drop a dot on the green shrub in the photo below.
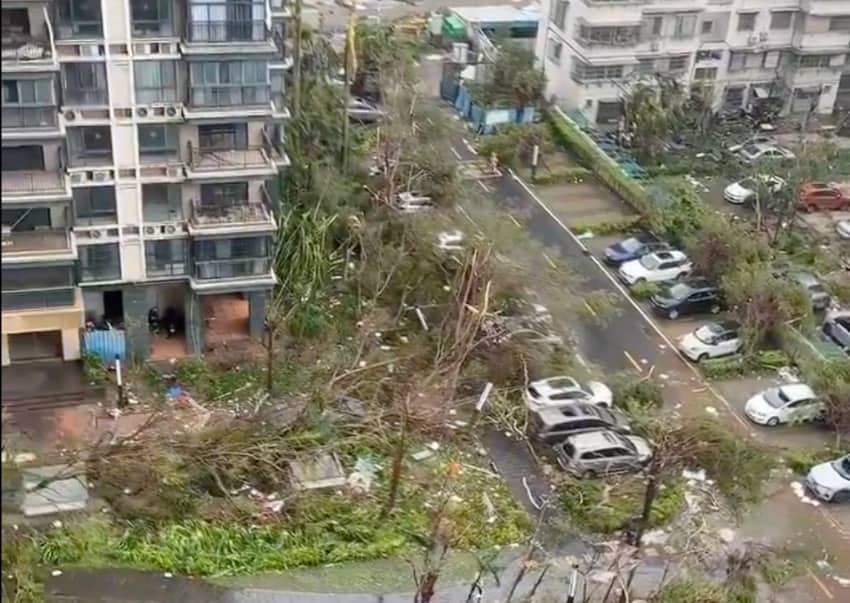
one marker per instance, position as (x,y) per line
(624,225)
(639,394)
(691,590)
(800,461)
(644,290)
(569,175)
(737,366)
(95,371)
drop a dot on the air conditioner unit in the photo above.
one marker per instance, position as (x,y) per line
(70,115)
(655,45)
(169,229)
(172,110)
(763,36)
(78,177)
(150,230)
(95,234)
(752,40)
(142,111)
(174,172)
(101,176)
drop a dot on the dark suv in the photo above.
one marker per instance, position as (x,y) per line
(690,296)
(553,425)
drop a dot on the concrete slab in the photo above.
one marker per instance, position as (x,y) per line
(583,203)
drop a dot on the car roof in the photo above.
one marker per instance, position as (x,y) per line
(728,325)
(573,411)
(591,440)
(555,384)
(797,391)
(806,278)
(669,254)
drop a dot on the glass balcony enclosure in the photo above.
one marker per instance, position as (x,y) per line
(231,258)
(95,205)
(79,19)
(167,258)
(100,262)
(90,146)
(29,103)
(156,81)
(228,83)
(38,287)
(231,21)
(152,18)
(84,84)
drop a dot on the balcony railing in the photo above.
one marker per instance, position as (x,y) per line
(232,268)
(29,117)
(227,158)
(151,28)
(19,47)
(227,31)
(105,272)
(75,96)
(229,96)
(78,29)
(32,299)
(156,95)
(32,182)
(36,241)
(229,214)
(167,267)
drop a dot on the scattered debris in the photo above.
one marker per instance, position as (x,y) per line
(694,476)
(727,535)
(273,506)
(319,473)
(800,490)
(585,235)
(56,572)
(422,455)
(655,537)
(489,507)
(712,411)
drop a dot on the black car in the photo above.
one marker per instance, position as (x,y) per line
(552,425)
(690,296)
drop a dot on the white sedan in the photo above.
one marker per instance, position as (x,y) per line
(556,392)
(790,403)
(831,481)
(758,151)
(745,190)
(656,267)
(843,229)
(711,340)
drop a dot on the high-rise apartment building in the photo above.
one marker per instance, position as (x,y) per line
(795,51)
(142,145)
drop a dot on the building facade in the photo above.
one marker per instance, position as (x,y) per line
(142,143)
(796,51)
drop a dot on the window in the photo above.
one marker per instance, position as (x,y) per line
(223,136)
(586,72)
(228,83)
(100,262)
(772,59)
(707,27)
(734,97)
(90,141)
(84,83)
(156,81)
(815,61)
(161,202)
(223,249)
(839,24)
(16,22)
(224,21)
(747,21)
(79,18)
(781,19)
(27,92)
(657,24)
(558,15)
(166,258)
(646,66)
(226,193)
(159,139)
(95,205)
(151,17)
(705,73)
(608,36)
(555,50)
(737,60)
(678,63)
(685,26)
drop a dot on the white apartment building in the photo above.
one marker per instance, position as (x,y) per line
(795,50)
(142,144)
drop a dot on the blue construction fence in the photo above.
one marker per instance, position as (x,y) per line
(485,120)
(106,344)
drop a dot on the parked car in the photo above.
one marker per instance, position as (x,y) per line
(744,191)
(656,267)
(814,289)
(816,196)
(690,296)
(553,425)
(555,392)
(760,139)
(602,452)
(413,202)
(362,111)
(633,248)
(790,403)
(758,151)
(831,481)
(843,229)
(837,326)
(712,340)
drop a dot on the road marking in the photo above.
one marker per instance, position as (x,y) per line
(515,221)
(469,147)
(456,154)
(634,304)
(484,186)
(820,583)
(549,260)
(590,309)
(581,360)
(634,362)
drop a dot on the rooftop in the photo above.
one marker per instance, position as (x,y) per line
(499,14)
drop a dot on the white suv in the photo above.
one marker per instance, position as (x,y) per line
(656,268)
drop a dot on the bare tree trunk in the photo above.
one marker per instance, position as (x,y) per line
(648,500)
(271,330)
(398,465)
(296,80)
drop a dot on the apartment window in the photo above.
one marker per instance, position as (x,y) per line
(95,205)
(558,16)
(27,92)
(229,83)
(222,136)
(40,287)
(747,21)
(705,73)
(151,18)
(16,22)
(734,97)
(781,19)
(555,50)
(84,83)
(815,61)
(100,262)
(707,27)
(585,72)
(709,55)
(678,64)
(685,26)
(224,249)
(224,194)
(25,158)
(166,258)
(79,18)
(646,66)
(839,24)
(608,36)
(772,59)
(161,202)
(737,60)
(90,142)
(157,140)
(235,20)
(156,81)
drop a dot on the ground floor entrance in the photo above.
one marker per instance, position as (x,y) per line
(40,345)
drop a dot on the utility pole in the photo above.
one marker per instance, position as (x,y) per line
(296,80)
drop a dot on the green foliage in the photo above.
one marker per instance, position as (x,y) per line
(95,371)
(622,226)
(737,366)
(721,244)
(607,507)
(638,394)
(567,175)
(691,590)
(800,460)
(512,80)
(514,143)
(645,290)
(677,213)
(652,114)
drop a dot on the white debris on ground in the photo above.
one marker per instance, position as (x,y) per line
(800,490)
(712,411)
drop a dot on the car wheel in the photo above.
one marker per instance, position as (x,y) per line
(841,497)
(715,309)
(673,314)
(773,422)
(702,357)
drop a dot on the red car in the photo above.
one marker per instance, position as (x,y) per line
(823,196)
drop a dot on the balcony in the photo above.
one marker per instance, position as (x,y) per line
(26,52)
(252,100)
(20,123)
(38,299)
(228,37)
(220,275)
(223,162)
(76,97)
(236,217)
(36,245)
(41,185)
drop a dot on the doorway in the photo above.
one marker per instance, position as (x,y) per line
(113,307)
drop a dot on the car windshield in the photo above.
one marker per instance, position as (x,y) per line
(628,444)
(707,334)
(751,149)
(679,291)
(748,183)
(776,397)
(631,244)
(842,467)
(650,262)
